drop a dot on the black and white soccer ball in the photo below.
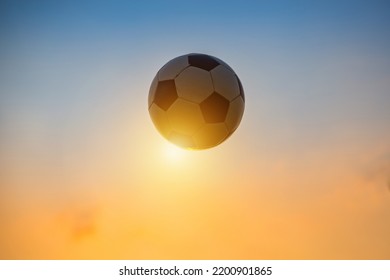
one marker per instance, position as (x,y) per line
(196,101)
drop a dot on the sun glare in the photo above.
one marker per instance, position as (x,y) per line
(174,153)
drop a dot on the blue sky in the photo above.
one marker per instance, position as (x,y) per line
(254,36)
(159,19)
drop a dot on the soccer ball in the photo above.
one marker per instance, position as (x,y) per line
(196,101)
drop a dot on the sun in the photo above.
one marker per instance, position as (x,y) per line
(174,153)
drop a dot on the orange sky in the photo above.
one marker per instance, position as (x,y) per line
(150,200)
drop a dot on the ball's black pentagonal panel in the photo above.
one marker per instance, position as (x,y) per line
(202,61)
(214,108)
(165,94)
(241,88)
(182,140)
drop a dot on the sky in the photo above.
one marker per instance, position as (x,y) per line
(85,175)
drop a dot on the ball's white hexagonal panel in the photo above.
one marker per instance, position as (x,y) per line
(210,135)
(160,120)
(225,82)
(182,140)
(185,117)
(194,84)
(170,70)
(223,63)
(152,90)
(234,114)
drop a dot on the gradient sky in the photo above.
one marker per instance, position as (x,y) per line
(84,173)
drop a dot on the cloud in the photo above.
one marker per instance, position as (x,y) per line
(377,171)
(388,183)
(79,223)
